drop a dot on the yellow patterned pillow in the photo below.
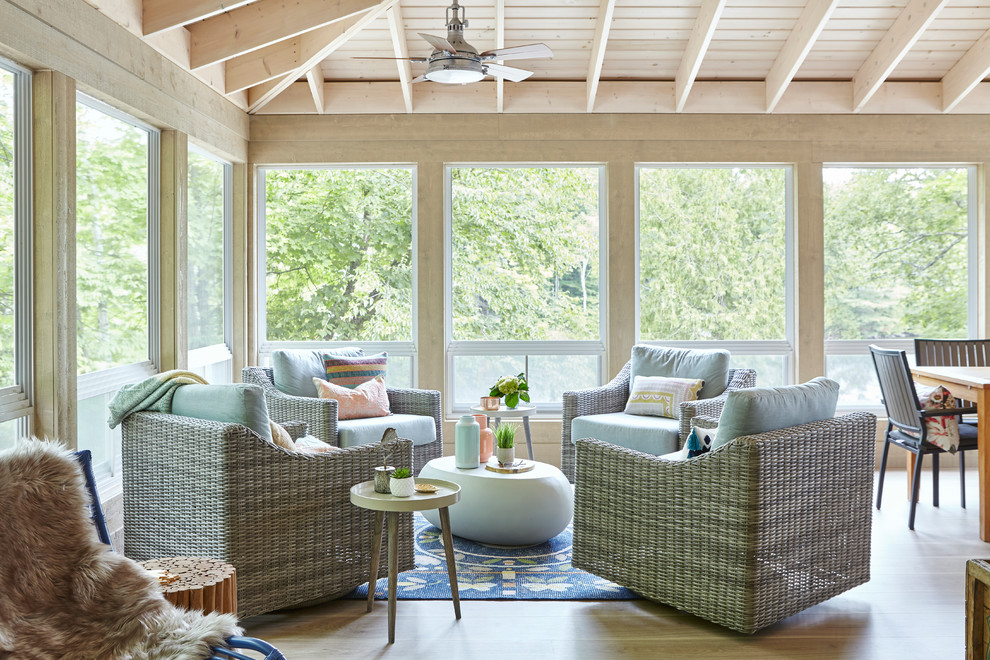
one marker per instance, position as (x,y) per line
(661,396)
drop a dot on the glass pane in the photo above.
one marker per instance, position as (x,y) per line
(771,370)
(552,375)
(857,378)
(399,372)
(9,432)
(474,375)
(111,241)
(339,254)
(895,253)
(94,434)
(712,253)
(7,241)
(524,254)
(205,251)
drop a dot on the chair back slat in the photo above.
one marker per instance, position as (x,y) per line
(952,352)
(897,388)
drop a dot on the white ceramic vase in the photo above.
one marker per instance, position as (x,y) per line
(505,455)
(402,487)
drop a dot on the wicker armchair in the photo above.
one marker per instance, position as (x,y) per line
(745,535)
(284,520)
(321,414)
(611,398)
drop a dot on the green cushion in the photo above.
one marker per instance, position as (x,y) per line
(293,370)
(239,403)
(753,410)
(651,435)
(711,366)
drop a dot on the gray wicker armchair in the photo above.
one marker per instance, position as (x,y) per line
(321,414)
(284,520)
(611,398)
(745,535)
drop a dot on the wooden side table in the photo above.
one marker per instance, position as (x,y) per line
(518,411)
(196,583)
(364,496)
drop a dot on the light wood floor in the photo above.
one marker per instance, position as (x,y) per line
(913,607)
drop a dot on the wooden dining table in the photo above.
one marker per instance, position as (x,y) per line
(969,384)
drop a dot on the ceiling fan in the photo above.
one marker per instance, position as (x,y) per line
(455,61)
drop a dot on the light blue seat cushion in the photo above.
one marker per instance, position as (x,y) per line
(650,435)
(711,366)
(421,429)
(293,370)
(755,410)
(238,403)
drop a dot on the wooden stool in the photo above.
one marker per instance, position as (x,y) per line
(196,583)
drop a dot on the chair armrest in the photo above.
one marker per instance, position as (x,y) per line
(319,414)
(609,398)
(947,412)
(738,379)
(406,401)
(704,422)
(296,429)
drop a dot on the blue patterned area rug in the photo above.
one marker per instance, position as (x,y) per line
(494,572)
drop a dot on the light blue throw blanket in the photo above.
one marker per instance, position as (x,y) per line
(154,393)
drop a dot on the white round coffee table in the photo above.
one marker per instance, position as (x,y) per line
(503,413)
(505,509)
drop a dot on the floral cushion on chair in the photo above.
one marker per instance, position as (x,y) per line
(943,430)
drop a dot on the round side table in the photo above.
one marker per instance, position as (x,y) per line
(364,496)
(196,583)
(503,412)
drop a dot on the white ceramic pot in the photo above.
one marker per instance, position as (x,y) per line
(505,455)
(402,487)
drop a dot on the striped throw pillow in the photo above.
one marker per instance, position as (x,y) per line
(661,396)
(352,371)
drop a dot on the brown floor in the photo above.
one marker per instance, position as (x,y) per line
(913,607)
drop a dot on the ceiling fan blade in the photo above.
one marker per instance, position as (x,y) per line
(439,43)
(419,79)
(507,72)
(411,59)
(518,52)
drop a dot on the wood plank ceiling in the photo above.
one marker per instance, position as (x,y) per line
(643,56)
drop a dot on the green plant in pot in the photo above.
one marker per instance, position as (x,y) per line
(505,441)
(402,483)
(513,388)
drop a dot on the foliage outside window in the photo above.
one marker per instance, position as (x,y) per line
(8,241)
(111,241)
(205,242)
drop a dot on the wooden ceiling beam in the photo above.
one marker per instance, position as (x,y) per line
(697,45)
(161,15)
(263,23)
(809,25)
(260,95)
(967,73)
(913,20)
(314,78)
(499,43)
(397,30)
(270,62)
(602,27)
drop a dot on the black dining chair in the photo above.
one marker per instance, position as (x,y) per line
(906,425)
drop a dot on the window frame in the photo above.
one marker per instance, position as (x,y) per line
(403,349)
(769,347)
(466,348)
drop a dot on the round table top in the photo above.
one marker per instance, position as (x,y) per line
(445,465)
(518,411)
(364,496)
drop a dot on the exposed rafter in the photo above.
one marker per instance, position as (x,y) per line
(704,27)
(160,15)
(602,27)
(314,78)
(967,73)
(262,94)
(809,25)
(913,20)
(263,23)
(499,43)
(397,30)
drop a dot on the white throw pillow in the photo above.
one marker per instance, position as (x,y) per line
(661,396)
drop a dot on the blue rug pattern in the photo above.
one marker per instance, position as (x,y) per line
(493,572)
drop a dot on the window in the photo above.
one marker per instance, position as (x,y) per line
(116,221)
(524,283)
(714,262)
(208,261)
(898,264)
(15,252)
(338,261)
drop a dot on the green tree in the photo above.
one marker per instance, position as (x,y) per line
(7,221)
(204,253)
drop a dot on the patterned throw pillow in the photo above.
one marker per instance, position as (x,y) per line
(352,371)
(700,441)
(369,399)
(943,431)
(660,396)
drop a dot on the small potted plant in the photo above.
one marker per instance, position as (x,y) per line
(383,472)
(505,438)
(402,483)
(513,388)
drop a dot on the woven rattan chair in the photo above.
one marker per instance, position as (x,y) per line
(283,519)
(321,414)
(906,426)
(752,532)
(612,398)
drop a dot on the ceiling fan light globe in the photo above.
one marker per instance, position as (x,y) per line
(454,76)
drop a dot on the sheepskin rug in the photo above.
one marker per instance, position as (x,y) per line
(63,594)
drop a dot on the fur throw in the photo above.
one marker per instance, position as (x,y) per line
(63,594)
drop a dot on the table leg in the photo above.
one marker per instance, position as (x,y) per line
(448,549)
(529,438)
(376,553)
(983,418)
(393,570)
